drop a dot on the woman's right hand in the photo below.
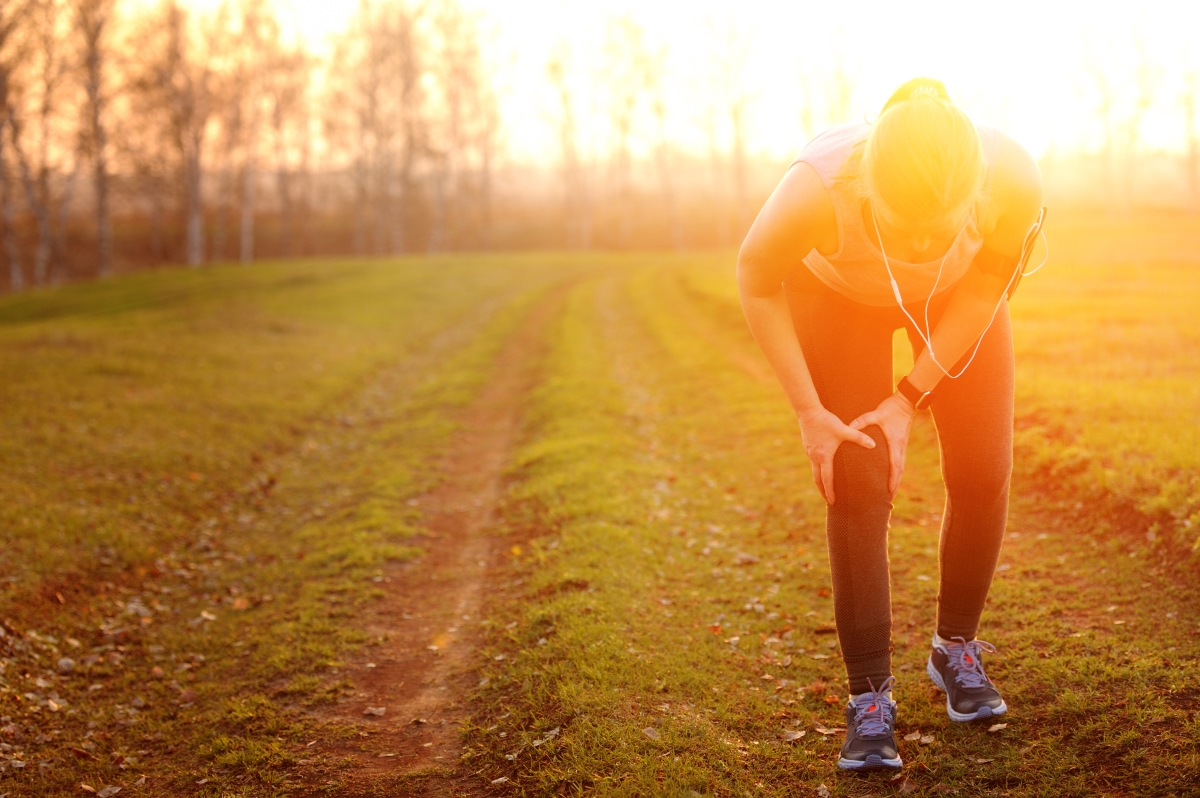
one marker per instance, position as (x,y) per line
(823,433)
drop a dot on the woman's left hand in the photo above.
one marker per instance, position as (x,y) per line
(894,416)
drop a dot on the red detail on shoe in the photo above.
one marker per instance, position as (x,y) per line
(872,708)
(967,657)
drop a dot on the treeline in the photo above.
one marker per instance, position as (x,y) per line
(135,137)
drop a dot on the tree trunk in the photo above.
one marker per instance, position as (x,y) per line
(93,30)
(41,213)
(59,241)
(737,120)
(247,226)
(155,190)
(195,219)
(16,275)
(437,222)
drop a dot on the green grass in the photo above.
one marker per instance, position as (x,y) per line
(676,582)
(208,485)
(240,445)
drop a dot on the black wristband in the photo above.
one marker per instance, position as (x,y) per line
(909,391)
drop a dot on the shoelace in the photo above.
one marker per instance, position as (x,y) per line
(965,659)
(874,710)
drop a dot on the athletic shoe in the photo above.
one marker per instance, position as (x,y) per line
(957,668)
(871,731)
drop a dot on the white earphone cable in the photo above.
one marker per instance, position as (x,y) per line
(927,335)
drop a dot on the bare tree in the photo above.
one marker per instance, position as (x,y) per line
(464,125)
(626,70)
(10,52)
(731,51)
(375,112)
(291,76)
(576,209)
(41,138)
(662,150)
(93,18)
(175,78)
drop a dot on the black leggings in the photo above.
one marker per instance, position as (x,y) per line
(848,349)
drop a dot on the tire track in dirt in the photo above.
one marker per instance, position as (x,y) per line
(430,616)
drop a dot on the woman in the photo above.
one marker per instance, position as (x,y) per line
(917,221)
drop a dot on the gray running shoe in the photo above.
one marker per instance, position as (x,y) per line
(957,668)
(871,731)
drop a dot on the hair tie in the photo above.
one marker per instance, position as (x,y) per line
(915,88)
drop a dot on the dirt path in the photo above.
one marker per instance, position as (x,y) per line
(434,605)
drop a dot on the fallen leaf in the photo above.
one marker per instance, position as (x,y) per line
(793,736)
(746,559)
(823,791)
(376,711)
(87,788)
(819,656)
(927,739)
(906,786)
(715,628)
(651,732)
(82,754)
(983,761)
(766,677)
(208,616)
(913,736)
(827,732)
(833,700)
(241,603)
(995,727)
(157,672)
(202,781)
(419,721)
(188,696)
(140,782)
(108,792)
(501,780)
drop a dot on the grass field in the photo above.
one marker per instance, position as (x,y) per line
(205,475)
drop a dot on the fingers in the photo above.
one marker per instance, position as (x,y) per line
(897,468)
(858,425)
(816,470)
(827,481)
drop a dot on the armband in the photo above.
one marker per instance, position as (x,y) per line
(995,264)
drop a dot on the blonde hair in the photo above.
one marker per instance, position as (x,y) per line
(923,160)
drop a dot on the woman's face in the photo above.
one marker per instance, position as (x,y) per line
(922,240)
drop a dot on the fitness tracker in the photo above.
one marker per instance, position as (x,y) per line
(909,391)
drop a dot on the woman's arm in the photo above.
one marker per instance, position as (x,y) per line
(1016,199)
(788,227)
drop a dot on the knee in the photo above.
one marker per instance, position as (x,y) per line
(984,480)
(861,475)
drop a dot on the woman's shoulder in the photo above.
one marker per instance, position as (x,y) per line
(1017,176)
(1015,194)
(828,150)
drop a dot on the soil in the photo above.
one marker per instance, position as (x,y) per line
(432,610)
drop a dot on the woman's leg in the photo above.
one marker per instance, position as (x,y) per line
(974,418)
(848,349)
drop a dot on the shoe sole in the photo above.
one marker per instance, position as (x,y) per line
(872,762)
(961,717)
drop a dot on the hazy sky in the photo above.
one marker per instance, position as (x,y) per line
(1030,67)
